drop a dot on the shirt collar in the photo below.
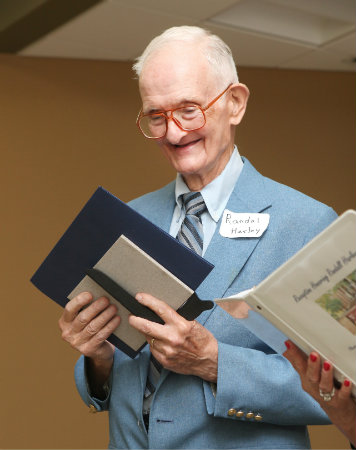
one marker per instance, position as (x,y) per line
(215,194)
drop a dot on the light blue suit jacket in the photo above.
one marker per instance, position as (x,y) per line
(251,377)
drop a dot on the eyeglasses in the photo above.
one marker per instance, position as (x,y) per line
(187,118)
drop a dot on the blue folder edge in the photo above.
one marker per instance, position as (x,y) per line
(103,219)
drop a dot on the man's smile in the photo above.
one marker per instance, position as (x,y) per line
(186,145)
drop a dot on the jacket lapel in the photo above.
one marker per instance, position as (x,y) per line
(230,255)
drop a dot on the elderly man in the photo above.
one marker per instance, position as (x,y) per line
(210,383)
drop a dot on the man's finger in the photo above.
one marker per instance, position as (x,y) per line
(96,325)
(88,314)
(107,330)
(73,307)
(164,311)
(146,327)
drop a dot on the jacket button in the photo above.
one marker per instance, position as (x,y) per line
(92,409)
(240,413)
(250,415)
(231,412)
(258,416)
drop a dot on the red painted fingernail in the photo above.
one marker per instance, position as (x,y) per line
(287,344)
(312,357)
(346,383)
(327,366)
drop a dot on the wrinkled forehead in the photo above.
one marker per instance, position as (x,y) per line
(174,73)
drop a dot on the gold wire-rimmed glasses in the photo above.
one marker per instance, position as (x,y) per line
(187,118)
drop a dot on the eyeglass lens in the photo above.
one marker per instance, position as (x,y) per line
(188,118)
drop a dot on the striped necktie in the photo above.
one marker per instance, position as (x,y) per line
(191,235)
(191,231)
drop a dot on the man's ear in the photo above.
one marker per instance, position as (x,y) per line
(239,96)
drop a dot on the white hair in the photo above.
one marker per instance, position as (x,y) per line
(216,51)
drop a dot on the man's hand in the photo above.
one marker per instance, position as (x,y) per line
(180,345)
(87,329)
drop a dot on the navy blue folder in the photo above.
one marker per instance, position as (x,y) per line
(103,219)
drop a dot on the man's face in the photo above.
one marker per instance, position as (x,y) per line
(178,75)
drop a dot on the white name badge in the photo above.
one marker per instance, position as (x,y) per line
(243,225)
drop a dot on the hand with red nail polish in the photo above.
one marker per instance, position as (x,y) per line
(313,357)
(318,380)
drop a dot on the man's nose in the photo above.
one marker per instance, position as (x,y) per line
(174,133)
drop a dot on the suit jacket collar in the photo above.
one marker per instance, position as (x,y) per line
(166,204)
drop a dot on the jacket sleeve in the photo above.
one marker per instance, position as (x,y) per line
(256,386)
(81,380)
